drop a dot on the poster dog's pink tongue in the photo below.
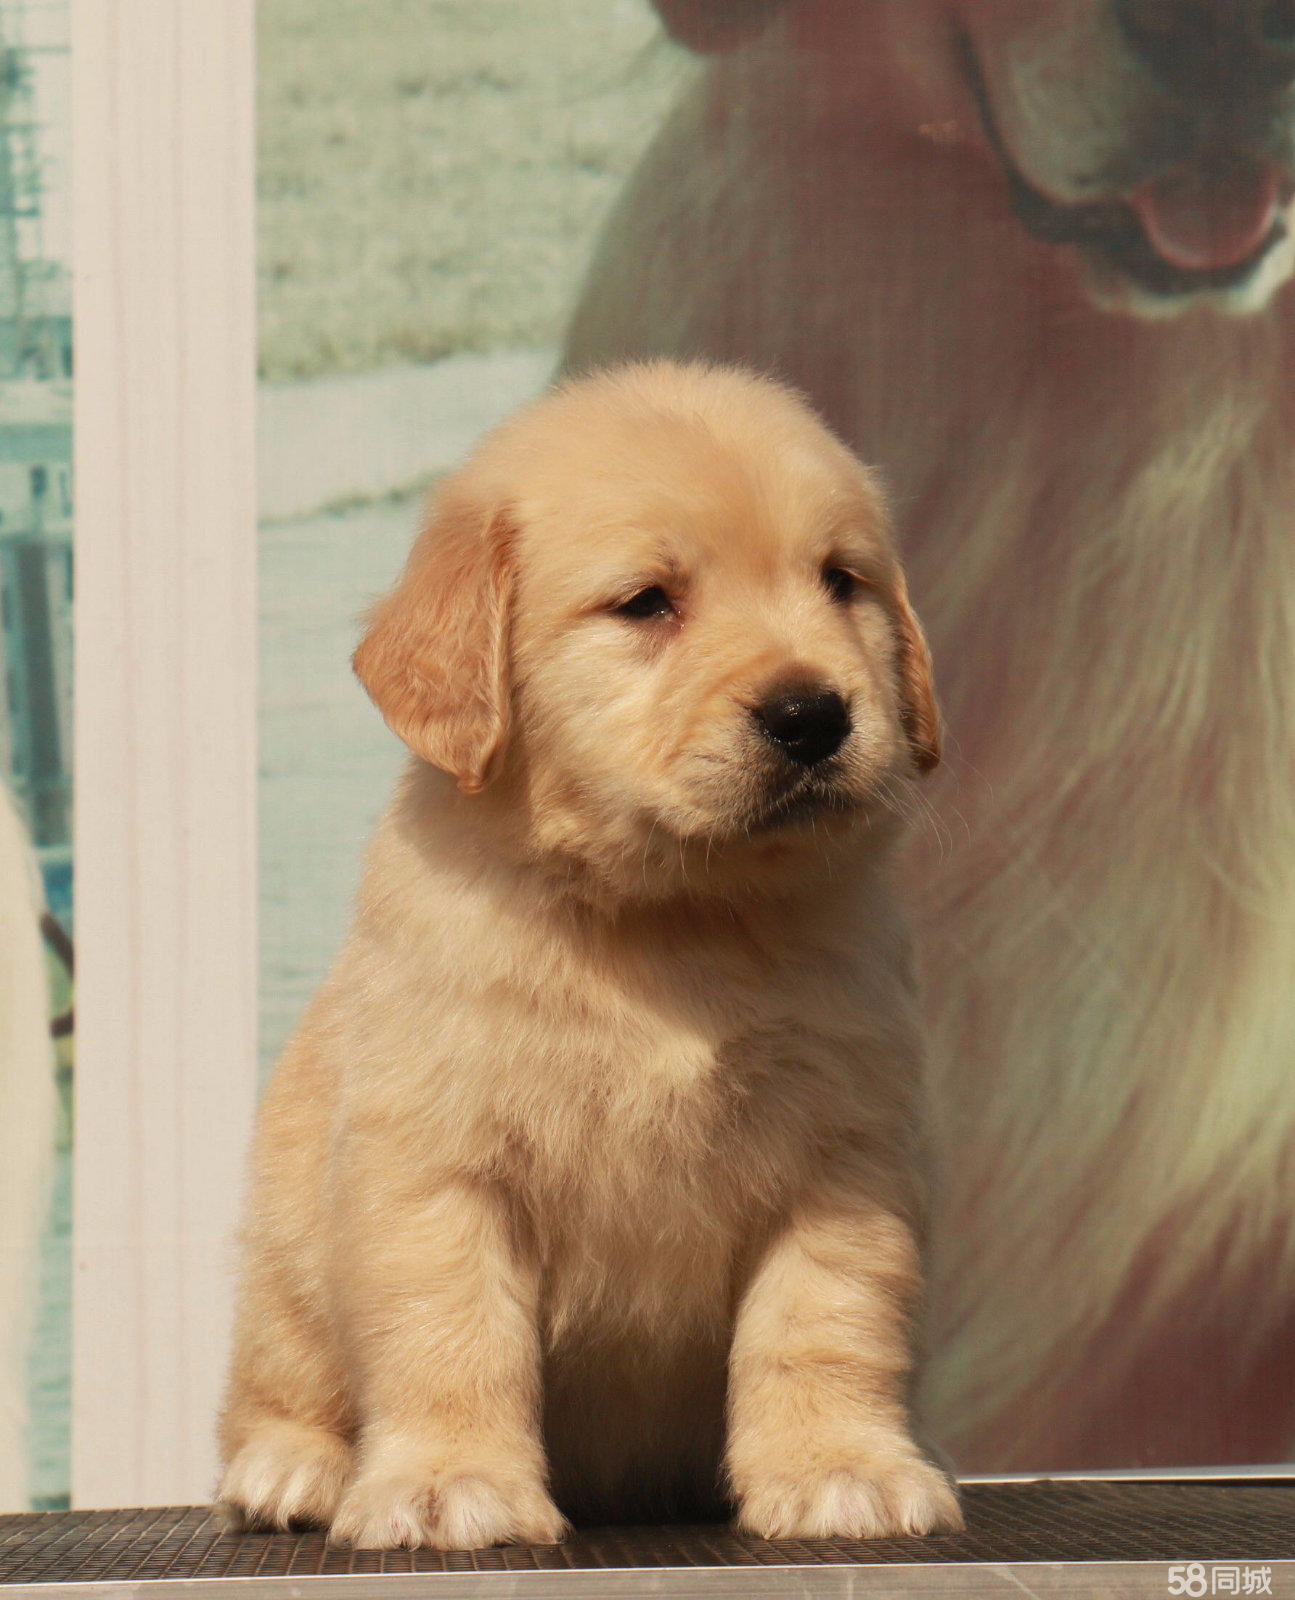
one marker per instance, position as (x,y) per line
(1208,221)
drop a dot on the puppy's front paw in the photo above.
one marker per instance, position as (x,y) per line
(284,1473)
(465,1512)
(874,1498)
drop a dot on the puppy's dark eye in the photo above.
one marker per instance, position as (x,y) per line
(647,605)
(840,584)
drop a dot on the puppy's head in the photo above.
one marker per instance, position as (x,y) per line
(662,608)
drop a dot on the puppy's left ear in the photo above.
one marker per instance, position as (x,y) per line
(918,713)
(435,657)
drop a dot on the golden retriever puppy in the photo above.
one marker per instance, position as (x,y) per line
(1033,258)
(593,1176)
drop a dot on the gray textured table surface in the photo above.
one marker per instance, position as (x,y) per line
(1133,1528)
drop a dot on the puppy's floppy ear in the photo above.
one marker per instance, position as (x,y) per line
(435,656)
(918,713)
(715,25)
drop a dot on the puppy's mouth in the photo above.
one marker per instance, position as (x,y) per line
(807,800)
(1195,228)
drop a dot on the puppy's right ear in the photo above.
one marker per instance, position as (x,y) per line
(435,656)
(918,712)
(712,26)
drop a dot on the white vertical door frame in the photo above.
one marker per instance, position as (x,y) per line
(163,170)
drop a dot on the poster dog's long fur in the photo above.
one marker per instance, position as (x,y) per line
(26,1123)
(1098,509)
(594,1170)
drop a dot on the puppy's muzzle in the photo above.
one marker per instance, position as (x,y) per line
(807,723)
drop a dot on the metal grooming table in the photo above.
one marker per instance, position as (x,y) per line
(1048,1537)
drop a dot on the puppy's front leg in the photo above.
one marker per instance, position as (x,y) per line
(819,1440)
(440,1310)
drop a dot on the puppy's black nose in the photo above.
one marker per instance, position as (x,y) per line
(805,722)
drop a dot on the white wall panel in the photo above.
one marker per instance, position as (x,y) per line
(166,767)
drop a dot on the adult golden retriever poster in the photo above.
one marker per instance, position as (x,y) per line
(1033,262)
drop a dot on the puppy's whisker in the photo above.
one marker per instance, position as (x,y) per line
(914,809)
(647,848)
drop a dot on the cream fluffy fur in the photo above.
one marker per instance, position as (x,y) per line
(1099,519)
(592,1179)
(26,1121)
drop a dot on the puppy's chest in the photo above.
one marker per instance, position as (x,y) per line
(659,1102)
(648,1182)
(669,1110)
